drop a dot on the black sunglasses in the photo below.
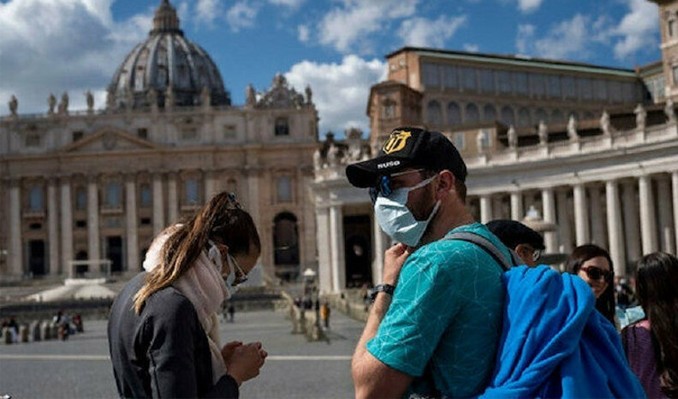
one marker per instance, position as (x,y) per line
(383,186)
(596,273)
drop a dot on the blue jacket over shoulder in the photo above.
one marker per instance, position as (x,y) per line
(554,343)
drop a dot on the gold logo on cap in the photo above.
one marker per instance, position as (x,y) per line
(397,141)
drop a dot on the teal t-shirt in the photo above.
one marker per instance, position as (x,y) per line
(446,311)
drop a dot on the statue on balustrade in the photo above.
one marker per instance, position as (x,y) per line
(51,102)
(605,125)
(572,128)
(512,137)
(641,115)
(543,133)
(90,100)
(13,105)
(670,112)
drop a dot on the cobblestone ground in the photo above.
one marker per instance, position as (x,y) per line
(296,368)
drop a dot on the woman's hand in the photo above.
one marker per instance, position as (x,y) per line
(228,350)
(246,361)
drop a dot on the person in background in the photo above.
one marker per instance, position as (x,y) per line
(651,345)
(163,328)
(593,264)
(525,242)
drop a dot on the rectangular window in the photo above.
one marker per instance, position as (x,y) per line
(431,75)
(569,88)
(468,78)
(554,86)
(284,189)
(191,193)
(537,85)
(142,133)
(486,80)
(230,132)
(614,91)
(451,78)
(33,140)
(189,134)
(113,197)
(80,198)
(504,82)
(520,82)
(601,89)
(36,199)
(146,198)
(77,135)
(585,88)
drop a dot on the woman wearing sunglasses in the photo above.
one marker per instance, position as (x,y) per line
(593,264)
(163,328)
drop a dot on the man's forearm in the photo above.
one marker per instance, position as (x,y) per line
(376,315)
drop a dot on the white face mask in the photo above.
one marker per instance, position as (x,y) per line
(396,219)
(214,255)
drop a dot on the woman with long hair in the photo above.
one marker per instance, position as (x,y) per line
(163,328)
(651,344)
(593,264)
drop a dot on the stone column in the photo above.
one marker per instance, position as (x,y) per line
(93,240)
(15,253)
(598,235)
(614,228)
(666,237)
(324,249)
(158,204)
(337,245)
(252,204)
(485,208)
(53,226)
(381,242)
(648,225)
(674,186)
(564,227)
(66,226)
(631,222)
(549,202)
(131,225)
(172,199)
(210,185)
(517,211)
(581,215)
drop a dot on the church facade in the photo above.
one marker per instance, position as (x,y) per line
(77,187)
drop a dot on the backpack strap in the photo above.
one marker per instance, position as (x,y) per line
(487,246)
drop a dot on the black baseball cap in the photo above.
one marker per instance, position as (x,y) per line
(408,147)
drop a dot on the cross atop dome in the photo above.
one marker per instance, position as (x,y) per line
(166,19)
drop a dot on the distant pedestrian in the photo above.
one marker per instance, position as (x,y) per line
(325,314)
(525,242)
(231,312)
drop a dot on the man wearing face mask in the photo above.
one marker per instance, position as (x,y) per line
(163,329)
(434,326)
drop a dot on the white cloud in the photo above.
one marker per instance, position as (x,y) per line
(242,15)
(342,27)
(303,33)
(340,91)
(568,39)
(422,32)
(207,11)
(76,48)
(637,29)
(470,47)
(524,38)
(527,6)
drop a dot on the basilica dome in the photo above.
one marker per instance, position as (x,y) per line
(166,70)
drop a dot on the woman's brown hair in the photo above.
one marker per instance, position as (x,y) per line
(605,304)
(222,220)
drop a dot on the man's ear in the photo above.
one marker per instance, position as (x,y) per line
(446,181)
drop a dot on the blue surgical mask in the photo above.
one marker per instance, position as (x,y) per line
(396,219)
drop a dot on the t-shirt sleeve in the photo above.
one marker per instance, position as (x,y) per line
(415,320)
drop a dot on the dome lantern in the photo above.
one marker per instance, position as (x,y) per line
(166,19)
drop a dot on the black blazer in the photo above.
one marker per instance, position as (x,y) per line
(163,352)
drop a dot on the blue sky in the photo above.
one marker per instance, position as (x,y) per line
(335,46)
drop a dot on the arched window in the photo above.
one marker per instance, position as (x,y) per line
(507,116)
(471,113)
(113,197)
(146,197)
(489,113)
(434,113)
(541,115)
(284,189)
(453,114)
(282,127)
(286,245)
(191,192)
